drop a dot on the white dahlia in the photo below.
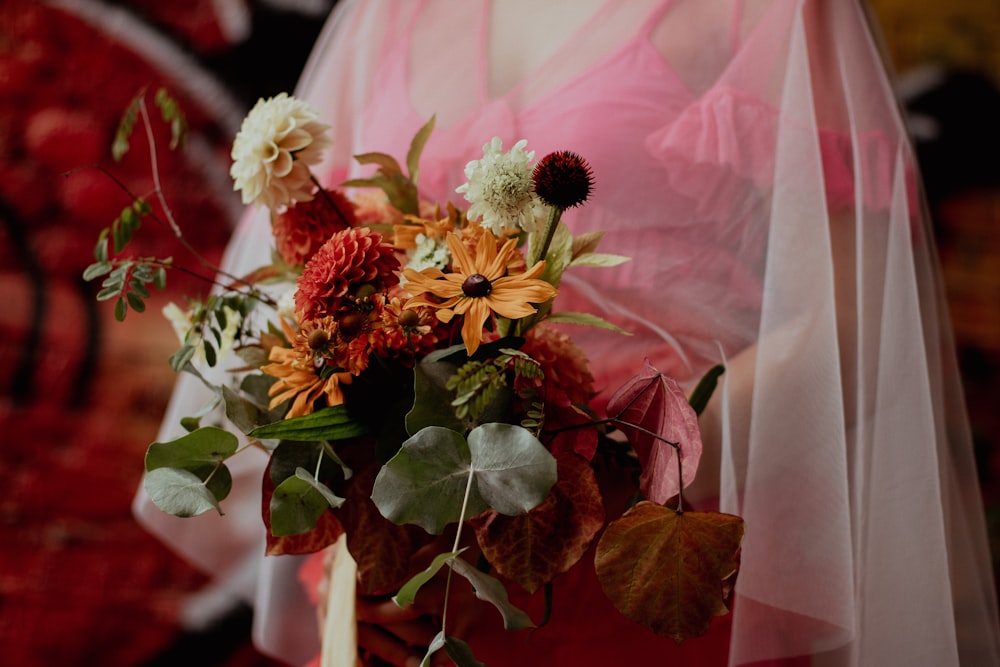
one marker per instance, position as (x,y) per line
(501,190)
(277,142)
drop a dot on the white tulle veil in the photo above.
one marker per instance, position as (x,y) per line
(839,427)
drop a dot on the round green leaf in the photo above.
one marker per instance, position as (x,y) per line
(209,444)
(425,482)
(296,506)
(179,492)
(513,470)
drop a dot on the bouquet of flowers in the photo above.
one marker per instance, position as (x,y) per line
(399,364)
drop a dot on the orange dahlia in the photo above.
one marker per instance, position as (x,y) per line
(350,260)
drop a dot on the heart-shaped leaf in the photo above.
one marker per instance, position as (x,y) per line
(531,549)
(657,405)
(437,472)
(671,572)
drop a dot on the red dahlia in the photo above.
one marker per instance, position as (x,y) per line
(305,226)
(350,259)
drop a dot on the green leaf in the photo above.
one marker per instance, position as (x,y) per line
(489,589)
(436,645)
(705,389)
(171,113)
(207,445)
(387,163)
(460,653)
(425,482)
(331,423)
(408,592)
(179,492)
(585,319)
(601,259)
(120,145)
(96,270)
(298,503)
(432,400)
(135,302)
(514,471)
(417,147)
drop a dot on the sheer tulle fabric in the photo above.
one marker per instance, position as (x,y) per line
(750,158)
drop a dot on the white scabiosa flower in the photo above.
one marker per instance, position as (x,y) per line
(501,190)
(277,142)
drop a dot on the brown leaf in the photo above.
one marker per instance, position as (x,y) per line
(531,549)
(383,550)
(326,532)
(671,572)
(657,404)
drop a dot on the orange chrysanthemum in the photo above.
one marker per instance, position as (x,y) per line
(479,287)
(300,378)
(302,228)
(352,258)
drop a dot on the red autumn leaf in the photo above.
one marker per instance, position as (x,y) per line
(531,549)
(383,550)
(670,572)
(326,532)
(655,403)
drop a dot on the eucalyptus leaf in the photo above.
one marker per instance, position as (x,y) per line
(179,492)
(514,471)
(425,482)
(408,592)
(333,499)
(296,506)
(489,589)
(206,445)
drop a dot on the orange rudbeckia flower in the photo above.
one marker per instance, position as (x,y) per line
(478,287)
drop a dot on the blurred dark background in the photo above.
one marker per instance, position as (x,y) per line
(82,396)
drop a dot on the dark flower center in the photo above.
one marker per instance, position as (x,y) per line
(477,285)
(409,318)
(318,339)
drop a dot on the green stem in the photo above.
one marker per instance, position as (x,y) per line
(454,548)
(538,252)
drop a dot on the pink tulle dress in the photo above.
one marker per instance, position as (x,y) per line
(750,158)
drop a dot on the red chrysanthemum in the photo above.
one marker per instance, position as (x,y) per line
(350,259)
(305,226)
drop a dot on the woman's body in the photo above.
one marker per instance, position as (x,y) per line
(750,159)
